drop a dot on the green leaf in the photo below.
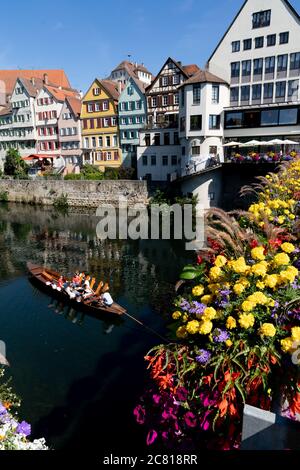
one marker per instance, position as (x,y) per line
(189,275)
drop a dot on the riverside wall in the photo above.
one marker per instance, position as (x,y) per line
(88,194)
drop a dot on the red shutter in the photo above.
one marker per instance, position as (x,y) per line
(160,82)
(85,125)
(92,124)
(104,156)
(116,156)
(159,101)
(149,102)
(170,80)
(171,100)
(98,123)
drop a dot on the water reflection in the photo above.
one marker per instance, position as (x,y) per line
(74,371)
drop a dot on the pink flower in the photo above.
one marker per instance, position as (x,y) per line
(139,413)
(151,437)
(190,419)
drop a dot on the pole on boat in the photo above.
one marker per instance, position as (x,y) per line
(147,327)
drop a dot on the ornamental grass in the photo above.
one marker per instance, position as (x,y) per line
(235,324)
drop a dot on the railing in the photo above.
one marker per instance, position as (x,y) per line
(197,167)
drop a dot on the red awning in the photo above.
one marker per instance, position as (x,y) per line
(41,156)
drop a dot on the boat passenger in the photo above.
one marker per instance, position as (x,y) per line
(107,299)
(60,283)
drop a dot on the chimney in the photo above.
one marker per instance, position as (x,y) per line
(179,62)
(136,64)
(46,79)
(32,81)
(120,86)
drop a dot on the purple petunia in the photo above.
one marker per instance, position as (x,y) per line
(3,410)
(24,428)
(220,336)
(203,357)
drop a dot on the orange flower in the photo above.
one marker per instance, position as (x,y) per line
(223,406)
(6,405)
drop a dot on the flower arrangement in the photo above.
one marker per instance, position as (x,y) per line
(14,434)
(236,325)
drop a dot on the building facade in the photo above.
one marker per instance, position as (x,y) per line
(69,126)
(132,119)
(202,101)
(159,155)
(100,129)
(127,69)
(259,55)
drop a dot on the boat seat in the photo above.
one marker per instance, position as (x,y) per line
(47,276)
(40,278)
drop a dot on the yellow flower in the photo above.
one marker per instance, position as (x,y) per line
(268,329)
(287,344)
(231,323)
(259,269)
(248,306)
(258,253)
(207,299)
(209,314)
(271,281)
(205,327)
(260,285)
(281,219)
(215,273)
(193,327)
(220,261)
(246,321)
(229,343)
(185,318)
(181,332)
(214,288)
(296,333)
(288,248)
(197,291)
(176,315)
(282,259)
(258,298)
(239,288)
(239,266)
(271,303)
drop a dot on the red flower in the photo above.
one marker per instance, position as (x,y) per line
(199,259)
(254,244)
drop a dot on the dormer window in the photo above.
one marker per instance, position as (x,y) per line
(261,19)
(97,91)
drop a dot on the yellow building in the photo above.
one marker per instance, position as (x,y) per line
(100,130)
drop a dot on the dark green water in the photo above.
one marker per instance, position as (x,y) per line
(79,382)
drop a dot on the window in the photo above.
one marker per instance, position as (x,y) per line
(129,104)
(166,138)
(145,160)
(147,140)
(215,94)
(295,61)
(100,141)
(92,123)
(174,160)
(261,19)
(280,89)
(154,102)
(236,46)
(196,122)
(270,64)
(130,90)
(258,66)
(123,121)
(268,90)
(234,94)
(90,108)
(97,91)
(282,62)
(288,116)
(86,143)
(196,94)
(256,92)
(269,117)
(131,135)
(130,120)
(233,120)
(105,122)
(105,106)
(153,160)
(157,139)
(271,40)
(165,160)
(165,100)
(176,138)
(196,150)
(176,79)
(176,98)
(246,68)
(247,44)
(113,121)
(123,107)
(108,156)
(259,42)
(165,81)
(138,120)
(293,89)
(235,69)
(107,141)
(245,93)
(97,107)
(94,142)
(138,105)
(214,121)
(284,38)
(115,141)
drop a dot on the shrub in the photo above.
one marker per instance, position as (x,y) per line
(61,202)
(3,196)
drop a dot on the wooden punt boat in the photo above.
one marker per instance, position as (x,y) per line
(42,276)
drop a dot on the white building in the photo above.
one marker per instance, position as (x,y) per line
(259,55)
(126,70)
(159,155)
(202,100)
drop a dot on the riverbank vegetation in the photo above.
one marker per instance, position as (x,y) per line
(235,325)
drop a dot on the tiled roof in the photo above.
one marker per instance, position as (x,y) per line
(55,77)
(32,89)
(203,76)
(141,85)
(4,111)
(131,68)
(60,94)
(191,69)
(111,87)
(75,105)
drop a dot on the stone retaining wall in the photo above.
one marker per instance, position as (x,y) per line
(79,193)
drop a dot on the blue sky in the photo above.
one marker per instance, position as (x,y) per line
(88,38)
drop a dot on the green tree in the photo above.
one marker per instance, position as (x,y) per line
(14,165)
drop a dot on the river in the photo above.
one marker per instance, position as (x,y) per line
(80,377)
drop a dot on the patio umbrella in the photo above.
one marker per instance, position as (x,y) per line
(290,142)
(232,144)
(251,143)
(276,142)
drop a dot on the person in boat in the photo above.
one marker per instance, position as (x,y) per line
(76,280)
(107,299)
(60,283)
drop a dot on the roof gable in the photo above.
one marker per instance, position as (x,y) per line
(178,66)
(55,77)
